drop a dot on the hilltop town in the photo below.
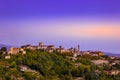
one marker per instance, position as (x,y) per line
(51,48)
(46,62)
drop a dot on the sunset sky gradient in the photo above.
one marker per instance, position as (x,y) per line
(94,24)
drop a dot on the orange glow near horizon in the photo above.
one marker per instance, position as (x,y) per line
(87,32)
(77,30)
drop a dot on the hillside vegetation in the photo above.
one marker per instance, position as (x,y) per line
(51,66)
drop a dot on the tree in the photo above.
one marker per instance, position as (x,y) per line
(13,64)
(4,49)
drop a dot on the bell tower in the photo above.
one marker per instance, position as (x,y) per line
(41,44)
(78,48)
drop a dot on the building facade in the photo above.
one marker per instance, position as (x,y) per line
(16,51)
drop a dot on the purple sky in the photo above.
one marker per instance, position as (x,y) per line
(94,24)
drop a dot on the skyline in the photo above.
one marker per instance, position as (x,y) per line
(92,24)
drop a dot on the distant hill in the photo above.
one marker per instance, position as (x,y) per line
(112,54)
(7,46)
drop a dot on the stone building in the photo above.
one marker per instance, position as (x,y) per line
(41,46)
(29,47)
(112,72)
(60,49)
(7,57)
(16,51)
(50,48)
(96,53)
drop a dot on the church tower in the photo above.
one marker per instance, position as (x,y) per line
(41,44)
(78,48)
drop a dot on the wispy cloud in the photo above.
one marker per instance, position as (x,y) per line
(89,32)
(24,31)
(77,31)
(62,28)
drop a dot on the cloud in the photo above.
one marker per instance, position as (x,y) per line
(93,32)
(62,29)
(84,32)
(71,30)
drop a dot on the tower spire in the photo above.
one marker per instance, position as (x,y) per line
(78,47)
